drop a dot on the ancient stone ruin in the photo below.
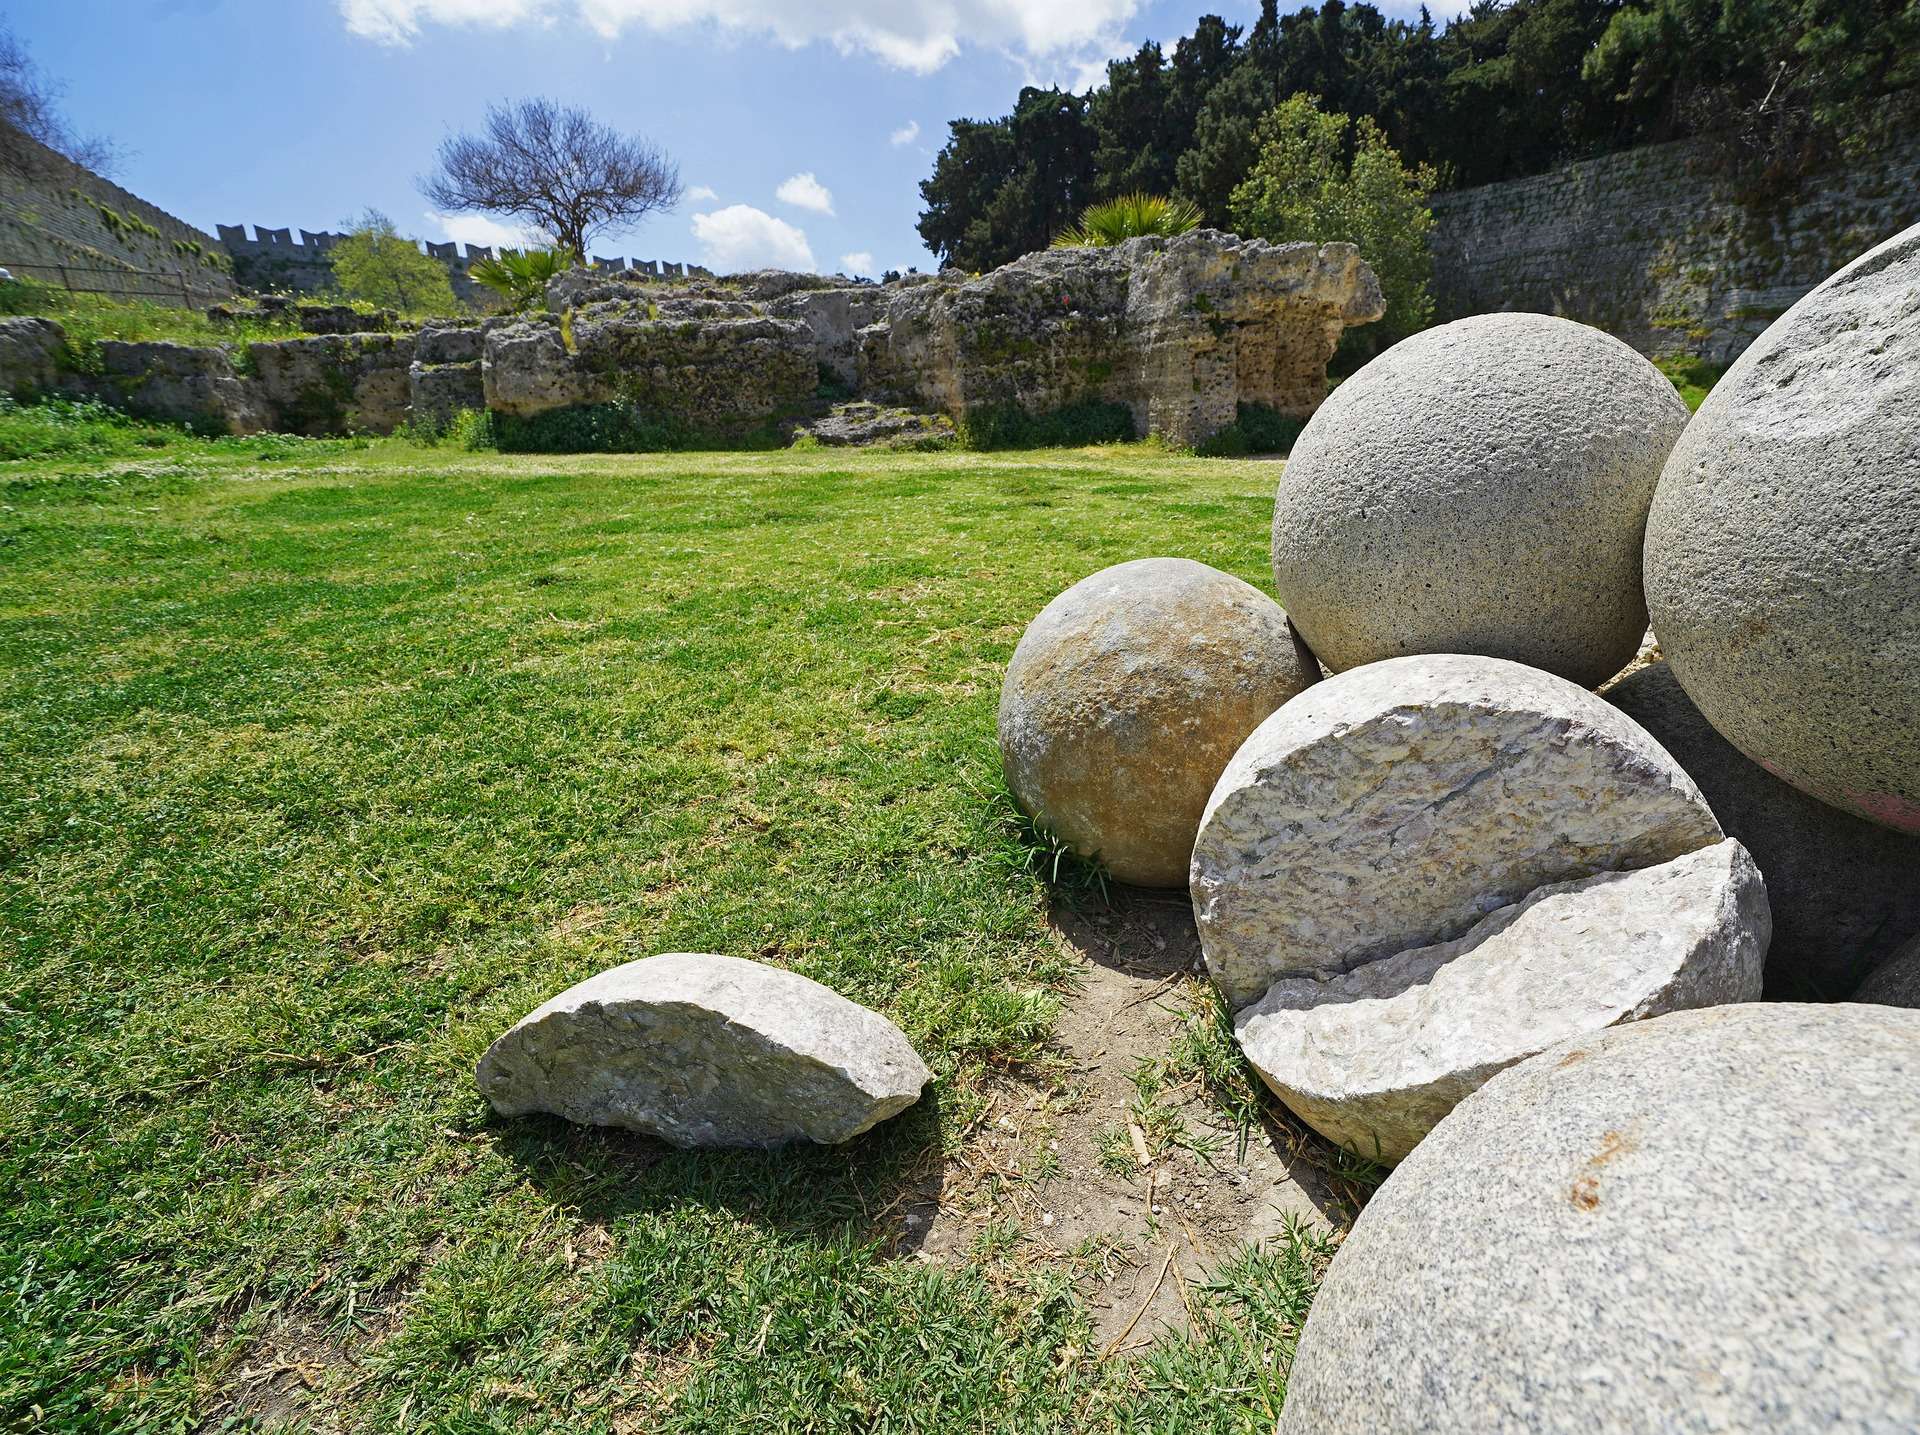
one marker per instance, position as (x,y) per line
(1181,332)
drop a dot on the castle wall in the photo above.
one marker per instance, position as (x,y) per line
(65,225)
(1653,246)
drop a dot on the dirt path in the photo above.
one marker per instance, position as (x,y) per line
(1055,1168)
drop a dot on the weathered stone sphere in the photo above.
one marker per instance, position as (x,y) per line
(1783,549)
(1479,488)
(1844,891)
(1896,981)
(1701,1224)
(1125,699)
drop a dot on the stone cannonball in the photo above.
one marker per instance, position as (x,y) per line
(1479,488)
(1702,1224)
(1783,549)
(1125,699)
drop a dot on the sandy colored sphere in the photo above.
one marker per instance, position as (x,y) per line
(1125,699)
(1783,548)
(1479,488)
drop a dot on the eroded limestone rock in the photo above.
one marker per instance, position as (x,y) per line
(706,1051)
(1373,1058)
(31,351)
(177,383)
(1397,804)
(1181,330)
(335,384)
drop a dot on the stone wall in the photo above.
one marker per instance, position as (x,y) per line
(65,225)
(1652,245)
(276,261)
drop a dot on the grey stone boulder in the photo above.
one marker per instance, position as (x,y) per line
(1783,548)
(31,354)
(706,1051)
(1703,1224)
(337,383)
(1479,488)
(179,383)
(1396,805)
(1125,698)
(1896,981)
(1844,891)
(444,341)
(1372,1059)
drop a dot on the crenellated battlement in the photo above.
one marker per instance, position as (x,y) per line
(274,259)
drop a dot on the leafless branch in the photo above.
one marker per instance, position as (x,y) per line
(556,168)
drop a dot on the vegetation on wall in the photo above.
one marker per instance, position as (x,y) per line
(1505,90)
(520,276)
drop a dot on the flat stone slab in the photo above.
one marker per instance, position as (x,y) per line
(1703,1224)
(706,1051)
(1372,1059)
(1396,805)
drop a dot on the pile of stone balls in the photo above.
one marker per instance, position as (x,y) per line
(1426,858)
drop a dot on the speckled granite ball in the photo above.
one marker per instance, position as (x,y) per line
(1783,549)
(1479,488)
(1125,699)
(1896,981)
(1700,1224)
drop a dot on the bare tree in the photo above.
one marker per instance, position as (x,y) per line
(557,168)
(30,106)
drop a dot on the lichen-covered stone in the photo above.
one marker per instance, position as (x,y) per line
(1125,698)
(1372,1059)
(335,384)
(1896,981)
(1844,891)
(438,392)
(836,317)
(177,383)
(1181,330)
(1396,805)
(31,351)
(1783,548)
(1703,1224)
(1479,488)
(706,1051)
(708,373)
(447,341)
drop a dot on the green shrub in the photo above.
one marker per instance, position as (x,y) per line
(1075,426)
(469,429)
(622,427)
(521,278)
(1327,177)
(1257,428)
(1129,217)
(377,263)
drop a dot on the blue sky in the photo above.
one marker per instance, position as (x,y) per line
(802,127)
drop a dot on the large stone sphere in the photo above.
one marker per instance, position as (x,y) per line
(1783,549)
(1479,488)
(1125,699)
(1702,1224)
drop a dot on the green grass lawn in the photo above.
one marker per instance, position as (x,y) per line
(320,763)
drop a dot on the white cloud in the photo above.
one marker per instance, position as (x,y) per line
(905,135)
(803,191)
(478,229)
(741,237)
(859,262)
(916,35)
(701,193)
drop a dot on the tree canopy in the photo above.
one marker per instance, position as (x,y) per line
(377,263)
(1511,88)
(557,169)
